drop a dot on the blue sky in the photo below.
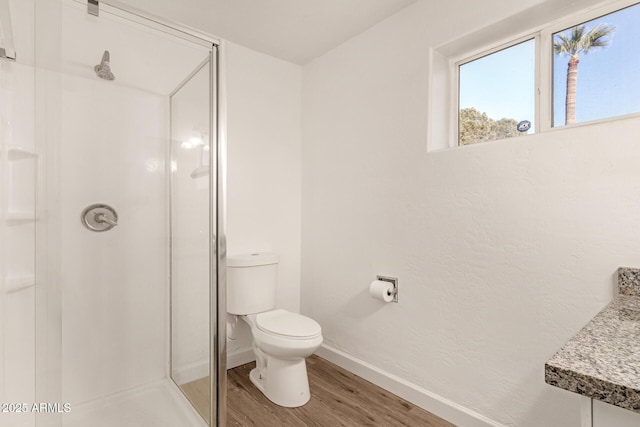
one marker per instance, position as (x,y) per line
(503,84)
(608,78)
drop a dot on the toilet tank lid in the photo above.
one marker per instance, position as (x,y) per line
(252,260)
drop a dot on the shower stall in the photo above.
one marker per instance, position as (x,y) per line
(112,242)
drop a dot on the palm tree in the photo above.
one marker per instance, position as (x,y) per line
(581,41)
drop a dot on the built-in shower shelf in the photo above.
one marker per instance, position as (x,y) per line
(17,218)
(15,152)
(18,283)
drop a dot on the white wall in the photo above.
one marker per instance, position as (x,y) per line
(503,250)
(264,167)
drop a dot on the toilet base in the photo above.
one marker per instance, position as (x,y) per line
(284,382)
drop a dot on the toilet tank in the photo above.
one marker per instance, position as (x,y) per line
(252,282)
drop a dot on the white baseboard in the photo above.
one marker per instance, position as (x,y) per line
(438,405)
(191,372)
(240,357)
(200,369)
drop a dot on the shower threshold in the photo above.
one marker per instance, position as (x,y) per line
(158,404)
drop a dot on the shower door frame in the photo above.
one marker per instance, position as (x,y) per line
(217,214)
(217,199)
(217,241)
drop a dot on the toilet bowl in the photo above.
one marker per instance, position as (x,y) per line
(281,339)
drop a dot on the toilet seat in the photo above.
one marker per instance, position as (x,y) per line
(289,325)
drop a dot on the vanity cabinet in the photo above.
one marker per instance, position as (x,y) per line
(605,415)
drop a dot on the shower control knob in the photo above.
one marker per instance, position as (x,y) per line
(99,217)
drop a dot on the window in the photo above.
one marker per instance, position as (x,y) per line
(497,95)
(596,68)
(577,70)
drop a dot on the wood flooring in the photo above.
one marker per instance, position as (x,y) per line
(338,398)
(199,393)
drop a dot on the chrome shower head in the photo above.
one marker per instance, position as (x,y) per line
(103,70)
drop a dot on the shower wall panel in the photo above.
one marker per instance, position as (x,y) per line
(18,175)
(114,282)
(113,139)
(18,165)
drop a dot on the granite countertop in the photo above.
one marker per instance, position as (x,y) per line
(602,361)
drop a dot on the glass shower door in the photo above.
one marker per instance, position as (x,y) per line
(190,155)
(108,206)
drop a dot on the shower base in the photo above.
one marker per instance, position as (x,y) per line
(159,404)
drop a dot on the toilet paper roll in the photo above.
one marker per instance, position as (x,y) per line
(381,290)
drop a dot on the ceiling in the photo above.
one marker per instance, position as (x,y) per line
(294,30)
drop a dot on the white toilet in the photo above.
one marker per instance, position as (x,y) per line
(281,339)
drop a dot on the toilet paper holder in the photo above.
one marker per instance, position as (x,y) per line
(394,281)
